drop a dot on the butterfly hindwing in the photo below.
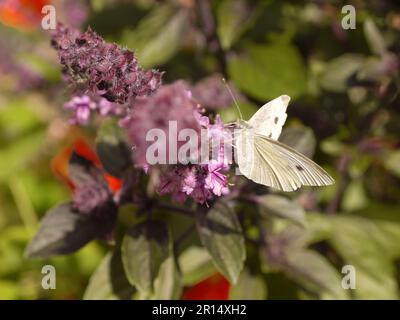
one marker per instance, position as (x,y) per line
(289,168)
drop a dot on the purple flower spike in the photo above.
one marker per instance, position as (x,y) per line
(169,103)
(102,68)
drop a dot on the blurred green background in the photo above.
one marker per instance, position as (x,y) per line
(344,85)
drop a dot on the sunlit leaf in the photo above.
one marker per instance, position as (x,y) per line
(315,273)
(287,251)
(248,287)
(195,264)
(371,247)
(281,207)
(374,37)
(19,153)
(355,197)
(18,119)
(268,71)
(9,290)
(168,284)
(231,114)
(233,18)
(158,36)
(392,163)
(339,70)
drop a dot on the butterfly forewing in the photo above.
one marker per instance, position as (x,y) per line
(271,117)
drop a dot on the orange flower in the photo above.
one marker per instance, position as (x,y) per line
(59,163)
(215,287)
(22,14)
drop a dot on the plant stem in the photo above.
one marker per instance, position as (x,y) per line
(180,240)
(176,209)
(23,203)
(343,166)
(210,31)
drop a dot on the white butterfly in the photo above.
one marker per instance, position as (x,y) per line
(264,160)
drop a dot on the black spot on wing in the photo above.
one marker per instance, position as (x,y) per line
(276,120)
(299,168)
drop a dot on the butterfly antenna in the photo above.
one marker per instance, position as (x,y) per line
(233,97)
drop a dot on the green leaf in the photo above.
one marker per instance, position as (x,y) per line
(144,249)
(168,284)
(354,197)
(18,119)
(301,139)
(220,232)
(371,246)
(230,114)
(195,264)
(12,242)
(98,5)
(9,290)
(19,153)
(281,207)
(248,287)
(233,19)
(109,280)
(63,231)
(334,147)
(315,273)
(158,36)
(374,37)
(392,163)
(338,71)
(112,149)
(268,71)
(286,251)
(41,65)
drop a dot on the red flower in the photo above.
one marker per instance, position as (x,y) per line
(59,163)
(215,287)
(22,14)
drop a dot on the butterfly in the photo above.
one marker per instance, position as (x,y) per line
(265,160)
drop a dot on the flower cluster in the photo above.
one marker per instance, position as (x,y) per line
(109,77)
(200,182)
(175,103)
(102,68)
(203,181)
(170,103)
(83,106)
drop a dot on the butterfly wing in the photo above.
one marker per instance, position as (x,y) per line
(271,163)
(270,118)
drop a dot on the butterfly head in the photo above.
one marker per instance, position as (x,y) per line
(242,124)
